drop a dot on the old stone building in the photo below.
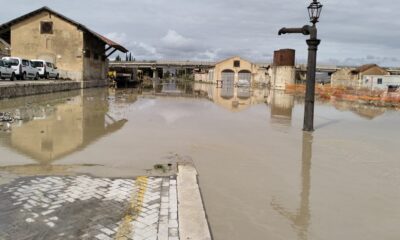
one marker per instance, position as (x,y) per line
(369,69)
(79,53)
(233,69)
(352,77)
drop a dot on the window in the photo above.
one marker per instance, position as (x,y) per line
(13,62)
(25,63)
(236,64)
(46,27)
(48,64)
(379,80)
(37,64)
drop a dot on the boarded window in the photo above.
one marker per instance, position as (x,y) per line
(228,78)
(245,75)
(46,27)
(236,64)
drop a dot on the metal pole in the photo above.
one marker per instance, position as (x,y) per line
(310,86)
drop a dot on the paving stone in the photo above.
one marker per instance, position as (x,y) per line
(83,207)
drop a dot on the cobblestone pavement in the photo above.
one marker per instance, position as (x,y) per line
(83,207)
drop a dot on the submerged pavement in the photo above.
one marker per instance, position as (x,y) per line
(85,207)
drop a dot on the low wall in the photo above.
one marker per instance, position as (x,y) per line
(94,83)
(20,89)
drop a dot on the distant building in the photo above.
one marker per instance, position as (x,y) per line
(79,53)
(232,70)
(381,82)
(344,74)
(369,69)
(353,77)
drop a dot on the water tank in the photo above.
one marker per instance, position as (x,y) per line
(284,57)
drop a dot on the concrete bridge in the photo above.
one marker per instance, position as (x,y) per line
(162,64)
(189,66)
(203,65)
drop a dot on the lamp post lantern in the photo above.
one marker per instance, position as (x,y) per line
(314,11)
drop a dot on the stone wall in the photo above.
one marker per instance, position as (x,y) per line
(27,89)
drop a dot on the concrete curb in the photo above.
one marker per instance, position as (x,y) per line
(29,88)
(193,223)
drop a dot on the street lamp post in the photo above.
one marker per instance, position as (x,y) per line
(314,11)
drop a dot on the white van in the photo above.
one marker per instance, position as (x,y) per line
(23,68)
(46,70)
(6,71)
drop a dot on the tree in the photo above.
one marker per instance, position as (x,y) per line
(118,58)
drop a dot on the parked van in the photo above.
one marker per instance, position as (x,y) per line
(23,68)
(6,71)
(46,70)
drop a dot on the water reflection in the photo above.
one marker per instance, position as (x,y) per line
(365,111)
(243,92)
(227,91)
(49,131)
(234,99)
(301,219)
(172,87)
(282,105)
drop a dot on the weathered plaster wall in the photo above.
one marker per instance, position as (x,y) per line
(229,65)
(63,47)
(282,75)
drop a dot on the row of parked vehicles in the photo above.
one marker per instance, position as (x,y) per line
(22,69)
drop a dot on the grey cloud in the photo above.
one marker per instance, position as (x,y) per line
(351,31)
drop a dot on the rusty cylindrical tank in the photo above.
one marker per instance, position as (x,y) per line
(284,57)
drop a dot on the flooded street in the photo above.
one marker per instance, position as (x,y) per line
(261,177)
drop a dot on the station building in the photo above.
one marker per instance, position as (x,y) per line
(79,53)
(233,69)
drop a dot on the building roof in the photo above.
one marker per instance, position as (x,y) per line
(242,59)
(6,26)
(364,68)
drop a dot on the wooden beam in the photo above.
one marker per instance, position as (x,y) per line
(109,47)
(113,51)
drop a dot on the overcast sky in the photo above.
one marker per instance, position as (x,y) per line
(352,32)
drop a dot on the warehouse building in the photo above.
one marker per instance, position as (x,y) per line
(79,53)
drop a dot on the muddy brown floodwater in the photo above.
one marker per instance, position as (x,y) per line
(261,176)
